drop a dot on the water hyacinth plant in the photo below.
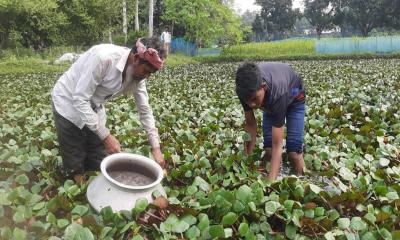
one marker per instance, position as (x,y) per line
(350,189)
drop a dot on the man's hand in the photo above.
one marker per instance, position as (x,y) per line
(276,153)
(159,157)
(249,147)
(111,144)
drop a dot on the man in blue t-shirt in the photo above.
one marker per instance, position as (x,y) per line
(279,91)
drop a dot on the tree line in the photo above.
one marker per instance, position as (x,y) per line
(277,17)
(42,23)
(39,24)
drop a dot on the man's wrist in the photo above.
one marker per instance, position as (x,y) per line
(153,149)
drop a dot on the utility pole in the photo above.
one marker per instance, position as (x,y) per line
(151,10)
(124,25)
(137,16)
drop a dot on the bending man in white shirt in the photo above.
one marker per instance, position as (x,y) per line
(100,74)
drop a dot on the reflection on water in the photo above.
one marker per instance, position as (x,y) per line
(131,178)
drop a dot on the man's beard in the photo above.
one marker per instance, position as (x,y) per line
(128,81)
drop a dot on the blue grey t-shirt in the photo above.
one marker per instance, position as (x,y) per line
(284,88)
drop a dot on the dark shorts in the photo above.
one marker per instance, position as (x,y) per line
(81,149)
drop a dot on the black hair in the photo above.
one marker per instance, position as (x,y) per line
(152,42)
(248,80)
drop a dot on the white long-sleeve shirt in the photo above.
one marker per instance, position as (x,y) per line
(96,77)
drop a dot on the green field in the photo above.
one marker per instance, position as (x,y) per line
(272,49)
(350,190)
(285,50)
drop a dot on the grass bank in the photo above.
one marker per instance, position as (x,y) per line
(272,49)
(35,64)
(30,65)
(283,51)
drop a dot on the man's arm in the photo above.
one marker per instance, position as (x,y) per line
(251,128)
(276,156)
(147,120)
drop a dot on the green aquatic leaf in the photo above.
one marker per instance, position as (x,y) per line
(189,219)
(229,218)
(243,229)
(77,232)
(204,222)
(80,210)
(243,194)
(217,231)
(180,226)
(271,207)
(193,232)
(22,179)
(343,223)
(141,205)
(357,224)
(62,223)
(19,233)
(201,183)
(315,189)
(290,231)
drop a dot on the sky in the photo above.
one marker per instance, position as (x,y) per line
(243,5)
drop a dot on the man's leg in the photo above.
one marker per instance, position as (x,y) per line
(72,145)
(96,151)
(295,133)
(166,49)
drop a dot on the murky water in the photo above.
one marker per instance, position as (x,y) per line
(131,174)
(313,177)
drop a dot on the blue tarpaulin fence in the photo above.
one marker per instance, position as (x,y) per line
(379,45)
(183,46)
(180,45)
(388,44)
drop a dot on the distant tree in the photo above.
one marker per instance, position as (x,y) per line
(320,14)
(203,21)
(258,24)
(392,14)
(9,12)
(302,24)
(259,29)
(362,15)
(89,20)
(248,17)
(278,15)
(35,24)
(159,24)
